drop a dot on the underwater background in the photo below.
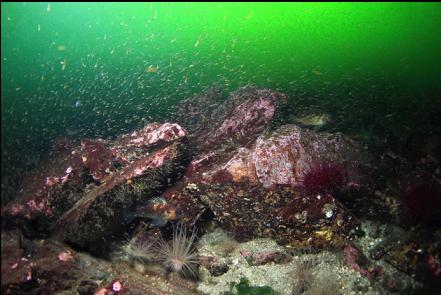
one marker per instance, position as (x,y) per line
(368,71)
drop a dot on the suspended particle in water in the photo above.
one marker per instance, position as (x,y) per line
(63,64)
(152,69)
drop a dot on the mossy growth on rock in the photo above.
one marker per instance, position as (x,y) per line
(244,288)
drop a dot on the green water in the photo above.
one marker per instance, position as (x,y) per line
(98,70)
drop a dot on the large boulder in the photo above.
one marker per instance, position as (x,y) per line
(220,124)
(83,191)
(281,157)
(251,178)
(256,190)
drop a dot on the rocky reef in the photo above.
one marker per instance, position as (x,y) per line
(266,200)
(253,184)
